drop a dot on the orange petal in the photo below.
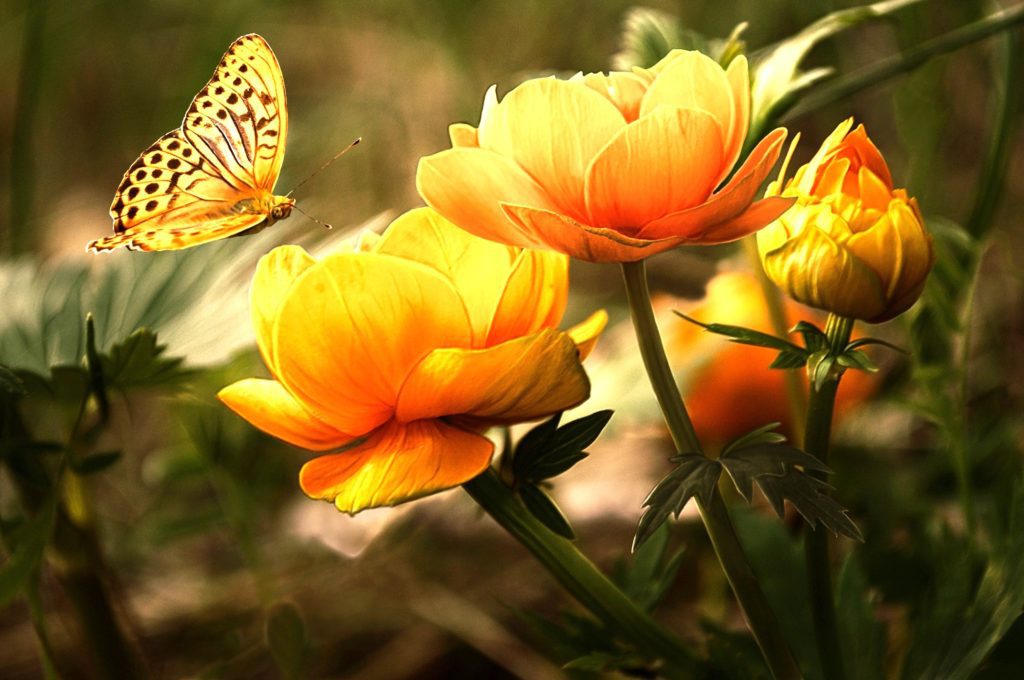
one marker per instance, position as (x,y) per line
(354,326)
(667,161)
(478,269)
(858,145)
(757,216)
(739,80)
(268,406)
(727,203)
(586,333)
(534,297)
(275,274)
(466,185)
(397,463)
(577,240)
(625,90)
(518,380)
(552,129)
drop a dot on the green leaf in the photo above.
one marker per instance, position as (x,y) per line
(810,496)
(862,342)
(97,462)
(26,544)
(858,360)
(138,361)
(790,359)
(94,365)
(10,383)
(819,368)
(763,435)
(545,452)
(544,509)
(746,336)
(604,662)
(814,338)
(648,574)
(750,463)
(694,475)
(534,444)
(861,634)
(286,638)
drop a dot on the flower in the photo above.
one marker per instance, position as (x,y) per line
(728,387)
(852,244)
(406,349)
(609,167)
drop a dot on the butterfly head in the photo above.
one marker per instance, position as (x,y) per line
(280,208)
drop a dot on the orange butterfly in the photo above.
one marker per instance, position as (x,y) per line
(213,177)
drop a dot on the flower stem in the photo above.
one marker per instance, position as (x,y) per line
(819,575)
(759,615)
(580,577)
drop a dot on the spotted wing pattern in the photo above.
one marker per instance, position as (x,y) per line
(185,188)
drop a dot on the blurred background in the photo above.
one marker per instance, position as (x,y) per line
(203,528)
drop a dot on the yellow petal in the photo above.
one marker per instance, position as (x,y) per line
(739,80)
(479,270)
(729,201)
(586,333)
(462,134)
(354,326)
(466,185)
(667,161)
(692,80)
(397,463)
(552,129)
(275,274)
(522,379)
(534,297)
(268,406)
(625,90)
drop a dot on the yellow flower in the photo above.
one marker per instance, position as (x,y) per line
(609,167)
(407,349)
(852,244)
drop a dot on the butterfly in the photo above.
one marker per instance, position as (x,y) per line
(214,176)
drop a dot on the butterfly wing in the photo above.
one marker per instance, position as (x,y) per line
(239,120)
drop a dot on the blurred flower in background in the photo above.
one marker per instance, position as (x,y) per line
(852,245)
(406,350)
(609,167)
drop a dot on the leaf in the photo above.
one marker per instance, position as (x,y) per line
(544,509)
(138,361)
(862,342)
(762,435)
(10,383)
(95,463)
(861,634)
(789,359)
(810,496)
(94,365)
(858,360)
(545,452)
(750,463)
(814,338)
(286,637)
(694,475)
(602,662)
(533,444)
(819,368)
(746,336)
(26,550)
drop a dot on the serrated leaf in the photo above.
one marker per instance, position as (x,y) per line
(814,338)
(533,444)
(10,383)
(286,638)
(544,509)
(647,576)
(858,360)
(745,336)
(694,475)
(549,454)
(810,497)
(27,545)
(788,359)
(763,435)
(749,464)
(138,361)
(553,465)
(95,463)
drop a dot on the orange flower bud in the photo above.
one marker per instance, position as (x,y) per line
(407,348)
(609,167)
(852,244)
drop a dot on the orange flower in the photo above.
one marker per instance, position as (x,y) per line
(609,167)
(728,387)
(407,349)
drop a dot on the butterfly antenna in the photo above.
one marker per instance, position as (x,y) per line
(323,167)
(322,224)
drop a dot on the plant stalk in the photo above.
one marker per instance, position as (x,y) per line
(759,615)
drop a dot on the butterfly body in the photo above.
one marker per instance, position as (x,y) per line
(214,176)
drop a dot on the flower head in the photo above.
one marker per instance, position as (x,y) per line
(852,244)
(406,349)
(609,167)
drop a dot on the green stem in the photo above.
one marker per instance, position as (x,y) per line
(759,615)
(580,577)
(907,60)
(819,574)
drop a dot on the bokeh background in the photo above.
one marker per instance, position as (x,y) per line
(202,521)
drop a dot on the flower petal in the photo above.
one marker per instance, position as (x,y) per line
(692,80)
(577,240)
(534,297)
(756,217)
(728,202)
(275,274)
(586,333)
(462,134)
(354,326)
(396,464)
(479,270)
(667,161)
(552,129)
(625,90)
(518,380)
(268,406)
(466,184)
(739,80)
